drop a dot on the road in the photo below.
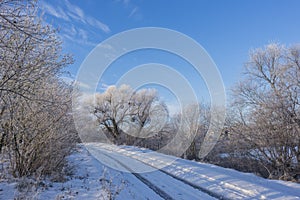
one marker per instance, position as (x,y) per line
(183,179)
(166,186)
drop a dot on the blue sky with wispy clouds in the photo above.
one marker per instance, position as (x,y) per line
(226,29)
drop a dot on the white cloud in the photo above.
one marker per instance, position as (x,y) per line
(76,26)
(73,30)
(74,9)
(78,14)
(75,17)
(56,12)
(133,11)
(96,23)
(83,34)
(74,12)
(132,8)
(104,86)
(74,39)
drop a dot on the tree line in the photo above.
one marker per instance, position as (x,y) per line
(262,129)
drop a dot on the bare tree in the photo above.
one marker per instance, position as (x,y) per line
(192,124)
(35,122)
(187,124)
(121,110)
(268,105)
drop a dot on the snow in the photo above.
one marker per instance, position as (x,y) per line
(7,190)
(225,182)
(92,179)
(173,188)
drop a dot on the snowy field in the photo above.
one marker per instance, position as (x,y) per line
(181,179)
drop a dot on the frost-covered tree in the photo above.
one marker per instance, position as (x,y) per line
(123,111)
(35,125)
(268,103)
(187,125)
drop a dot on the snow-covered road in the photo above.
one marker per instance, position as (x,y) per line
(166,186)
(216,181)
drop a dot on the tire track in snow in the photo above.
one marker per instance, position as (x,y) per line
(239,192)
(153,187)
(202,189)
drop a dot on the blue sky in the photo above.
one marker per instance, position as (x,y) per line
(226,29)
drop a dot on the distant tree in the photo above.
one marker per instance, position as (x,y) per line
(122,110)
(192,124)
(187,125)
